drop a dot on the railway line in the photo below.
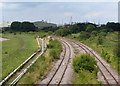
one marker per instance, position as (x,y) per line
(110,76)
(57,74)
(14,76)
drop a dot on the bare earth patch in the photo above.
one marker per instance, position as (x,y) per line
(3,39)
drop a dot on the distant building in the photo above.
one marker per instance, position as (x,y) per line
(67,25)
(49,37)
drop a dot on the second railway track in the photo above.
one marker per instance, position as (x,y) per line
(110,76)
(58,75)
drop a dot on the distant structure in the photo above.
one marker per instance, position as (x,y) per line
(119,11)
(71,20)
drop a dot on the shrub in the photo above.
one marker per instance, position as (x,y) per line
(6,52)
(106,56)
(84,62)
(50,46)
(14,33)
(55,47)
(99,40)
(54,54)
(84,35)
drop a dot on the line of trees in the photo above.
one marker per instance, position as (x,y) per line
(88,28)
(76,28)
(21,27)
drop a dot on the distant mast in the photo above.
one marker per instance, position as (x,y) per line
(71,20)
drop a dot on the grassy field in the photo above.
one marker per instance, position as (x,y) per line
(16,50)
(0,61)
(107,47)
(43,64)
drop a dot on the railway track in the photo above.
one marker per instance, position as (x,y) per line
(110,77)
(60,70)
(14,76)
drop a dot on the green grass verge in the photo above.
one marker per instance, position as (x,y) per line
(16,50)
(86,69)
(106,49)
(43,64)
(0,60)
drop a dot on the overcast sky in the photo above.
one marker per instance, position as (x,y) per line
(60,12)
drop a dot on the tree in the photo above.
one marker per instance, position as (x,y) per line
(74,29)
(27,26)
(113,26)
(99,40)
(24,26)
(62,32)
(15,26)
(94,33)
(84,35)
(90,28)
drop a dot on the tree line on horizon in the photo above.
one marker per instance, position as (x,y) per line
(88,28)
(27,26)
(17,26)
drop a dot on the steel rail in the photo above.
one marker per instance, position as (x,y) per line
(83,47)
(58,67)
(67,63)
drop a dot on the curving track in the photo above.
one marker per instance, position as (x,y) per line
(109,75)
(59,70)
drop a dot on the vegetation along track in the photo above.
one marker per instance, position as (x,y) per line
(109,75)
(14,76)
(60,70)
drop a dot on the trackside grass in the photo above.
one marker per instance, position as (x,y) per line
(43,64)
(0,61)
(106,49)
(16,50)
(86,69)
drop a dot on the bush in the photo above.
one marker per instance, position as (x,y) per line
(106,56)
(62,32)
(14,33)
(6,52)
(55,49)
(84,62)
(50,46)
(99,40)
(54,54)
(84,35)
